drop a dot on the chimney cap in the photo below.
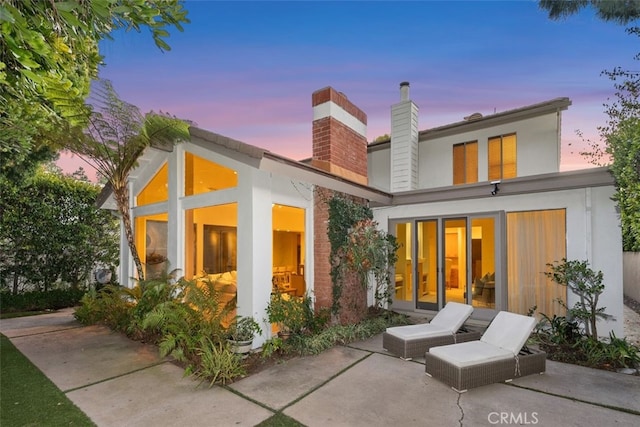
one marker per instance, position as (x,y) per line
(404,84)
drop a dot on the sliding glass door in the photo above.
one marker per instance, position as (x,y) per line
(449,259)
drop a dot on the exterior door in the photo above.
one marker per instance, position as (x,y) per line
(449,259)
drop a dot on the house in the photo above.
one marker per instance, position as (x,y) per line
(479,208)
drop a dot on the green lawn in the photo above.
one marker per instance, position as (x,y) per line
(28,398)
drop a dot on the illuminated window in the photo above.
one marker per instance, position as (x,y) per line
(211,240)
(465,163)
(288,249)
(211,248)
(151,242)
(502,157)
(156,190)
(203,176)
(535,239)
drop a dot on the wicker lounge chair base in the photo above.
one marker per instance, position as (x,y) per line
(409,349)
(463,378)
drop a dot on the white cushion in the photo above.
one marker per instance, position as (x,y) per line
(509,331)
(470,353)
(452,316)
(423,330)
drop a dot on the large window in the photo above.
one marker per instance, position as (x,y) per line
(535,239)
(203,176)
(502,157)
(156,190)
(465,163)
(211,240)
(288,250)
(151,242)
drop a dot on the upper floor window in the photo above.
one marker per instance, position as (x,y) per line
(502,157)
(156,190)
(465,163)
(203,176)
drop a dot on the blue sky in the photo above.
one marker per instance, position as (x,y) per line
(247,69)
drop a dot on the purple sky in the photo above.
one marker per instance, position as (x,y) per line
(247,69)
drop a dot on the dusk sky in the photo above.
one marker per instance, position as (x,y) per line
(247,70)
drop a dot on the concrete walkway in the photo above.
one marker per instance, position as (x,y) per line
(119,382)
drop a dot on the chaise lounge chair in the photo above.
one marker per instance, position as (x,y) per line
(414,340)
(498,356)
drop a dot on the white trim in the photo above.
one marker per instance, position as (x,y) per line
(331,109)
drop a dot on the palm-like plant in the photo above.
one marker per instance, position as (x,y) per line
(114,140)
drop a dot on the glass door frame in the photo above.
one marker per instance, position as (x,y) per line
(500,239)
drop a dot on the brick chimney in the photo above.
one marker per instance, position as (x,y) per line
(339,135)
(404,143)
(339,147)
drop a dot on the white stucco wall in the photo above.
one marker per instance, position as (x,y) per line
(255,194)
(593,232)
(537,151)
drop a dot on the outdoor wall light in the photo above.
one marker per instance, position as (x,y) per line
(495,187)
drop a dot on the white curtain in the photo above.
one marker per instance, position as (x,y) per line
(535,238)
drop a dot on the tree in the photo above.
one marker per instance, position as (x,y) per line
(115,139)
(48,56)
(619,145)
(51,230)
(620,11)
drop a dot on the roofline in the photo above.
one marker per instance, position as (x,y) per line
(303,171)
(556,181)
(553,105)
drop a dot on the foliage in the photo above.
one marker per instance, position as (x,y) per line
(343,215)
(272,346)
(217,363)
(38,300)
(292,314)
(371,251)
(29,398)
(186,319)
(315,343)
(51,231)
(109,306)
(622,12)
(358,246)
(116,136)
(621,134)
(587,285)
(243,328)
(49,53)
(558,330)
(576,348)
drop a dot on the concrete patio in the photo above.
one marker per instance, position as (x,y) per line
(119,382)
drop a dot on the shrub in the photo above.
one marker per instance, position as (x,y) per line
(292,314)
(216,363)
(587,285)
(40,300)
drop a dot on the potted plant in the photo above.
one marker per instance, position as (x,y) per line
(288,312)
(241,333)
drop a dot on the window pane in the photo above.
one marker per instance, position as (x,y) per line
(288,250)
(509,156)
(156,190)
(428,261)
(458,164)
(151,241)
(210,240)
(404,266)
(203,176)
(535,239)
(483,262)
(471,159)
(495,158)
